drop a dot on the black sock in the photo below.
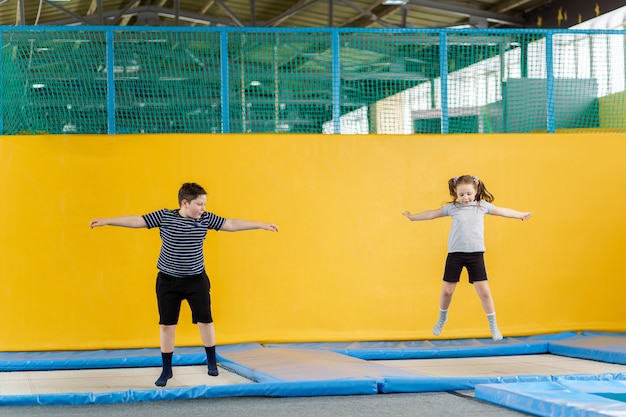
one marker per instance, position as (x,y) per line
(211,360)
(167,369)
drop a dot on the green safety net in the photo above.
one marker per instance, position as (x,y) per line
(386,81)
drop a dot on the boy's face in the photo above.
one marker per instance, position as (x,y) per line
(193,208)
(466,193)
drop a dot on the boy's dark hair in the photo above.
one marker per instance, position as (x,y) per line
(190,191)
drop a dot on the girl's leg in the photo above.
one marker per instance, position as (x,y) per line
(447,290)
(207,334)
(484,293)
(167,336)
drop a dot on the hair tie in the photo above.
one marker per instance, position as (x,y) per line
(455,178)
(476,179)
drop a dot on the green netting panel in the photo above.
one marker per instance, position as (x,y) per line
(167,82)
(279,81)
(377,81)
(53,82)
(495,82)
(381,76)
(589,81)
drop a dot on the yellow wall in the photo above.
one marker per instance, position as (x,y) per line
(346,264)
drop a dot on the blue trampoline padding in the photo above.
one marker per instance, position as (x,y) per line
(434,384)
(437,384)
(355,386)
(105,359)
(460,348)
(283,364)
(594,346)
(556,398)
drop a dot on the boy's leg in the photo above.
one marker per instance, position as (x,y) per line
(484,293)
(447,290)
(167,336)
(207,334)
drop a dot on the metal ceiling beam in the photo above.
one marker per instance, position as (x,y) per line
(252,13)
(508,5)
(368,14)
(469,12)
(96,6)
(363,19)
(120,15)
(230,13)
(206,6)
(300,5)
(163,12)
(67,12)
(20,17)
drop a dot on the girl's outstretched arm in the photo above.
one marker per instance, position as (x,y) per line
(510,213)
(424,215)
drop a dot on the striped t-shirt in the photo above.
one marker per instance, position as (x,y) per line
(183,238)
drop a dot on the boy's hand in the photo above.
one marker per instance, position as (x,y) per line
(96,223)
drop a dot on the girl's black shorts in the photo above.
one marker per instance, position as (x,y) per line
(474,262)
(171,291)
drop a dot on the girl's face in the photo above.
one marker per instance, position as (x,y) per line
(466,193)
(194,208)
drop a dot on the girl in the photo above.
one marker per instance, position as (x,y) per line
(466,243)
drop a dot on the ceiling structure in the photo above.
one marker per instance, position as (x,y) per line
(274,13)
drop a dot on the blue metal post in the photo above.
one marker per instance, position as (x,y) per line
(1,77)
(336,82)
(110,81)
(550,84)
(443,72)
(225,82)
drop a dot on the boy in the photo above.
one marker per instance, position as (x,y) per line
(181,269)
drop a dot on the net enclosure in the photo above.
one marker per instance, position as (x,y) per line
(314,80)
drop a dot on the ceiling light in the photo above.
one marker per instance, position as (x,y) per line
(395,2)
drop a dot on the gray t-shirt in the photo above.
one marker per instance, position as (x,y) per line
(467,233)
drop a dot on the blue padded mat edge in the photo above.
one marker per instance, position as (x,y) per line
(559,398)
(606,347)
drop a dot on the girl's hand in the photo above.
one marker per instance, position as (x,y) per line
(526,216)
(270,227)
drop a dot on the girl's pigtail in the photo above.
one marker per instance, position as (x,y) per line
(481,192)
(452,188)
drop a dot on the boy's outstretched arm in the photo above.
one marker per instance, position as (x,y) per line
(235,225)
(510,213)
(424,215)
(134,222)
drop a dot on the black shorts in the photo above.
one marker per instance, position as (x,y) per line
(171,291)
(474,263)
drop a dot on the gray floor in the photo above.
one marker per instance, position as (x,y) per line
(435,404)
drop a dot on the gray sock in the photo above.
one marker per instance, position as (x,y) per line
(443,317)
(493,327)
